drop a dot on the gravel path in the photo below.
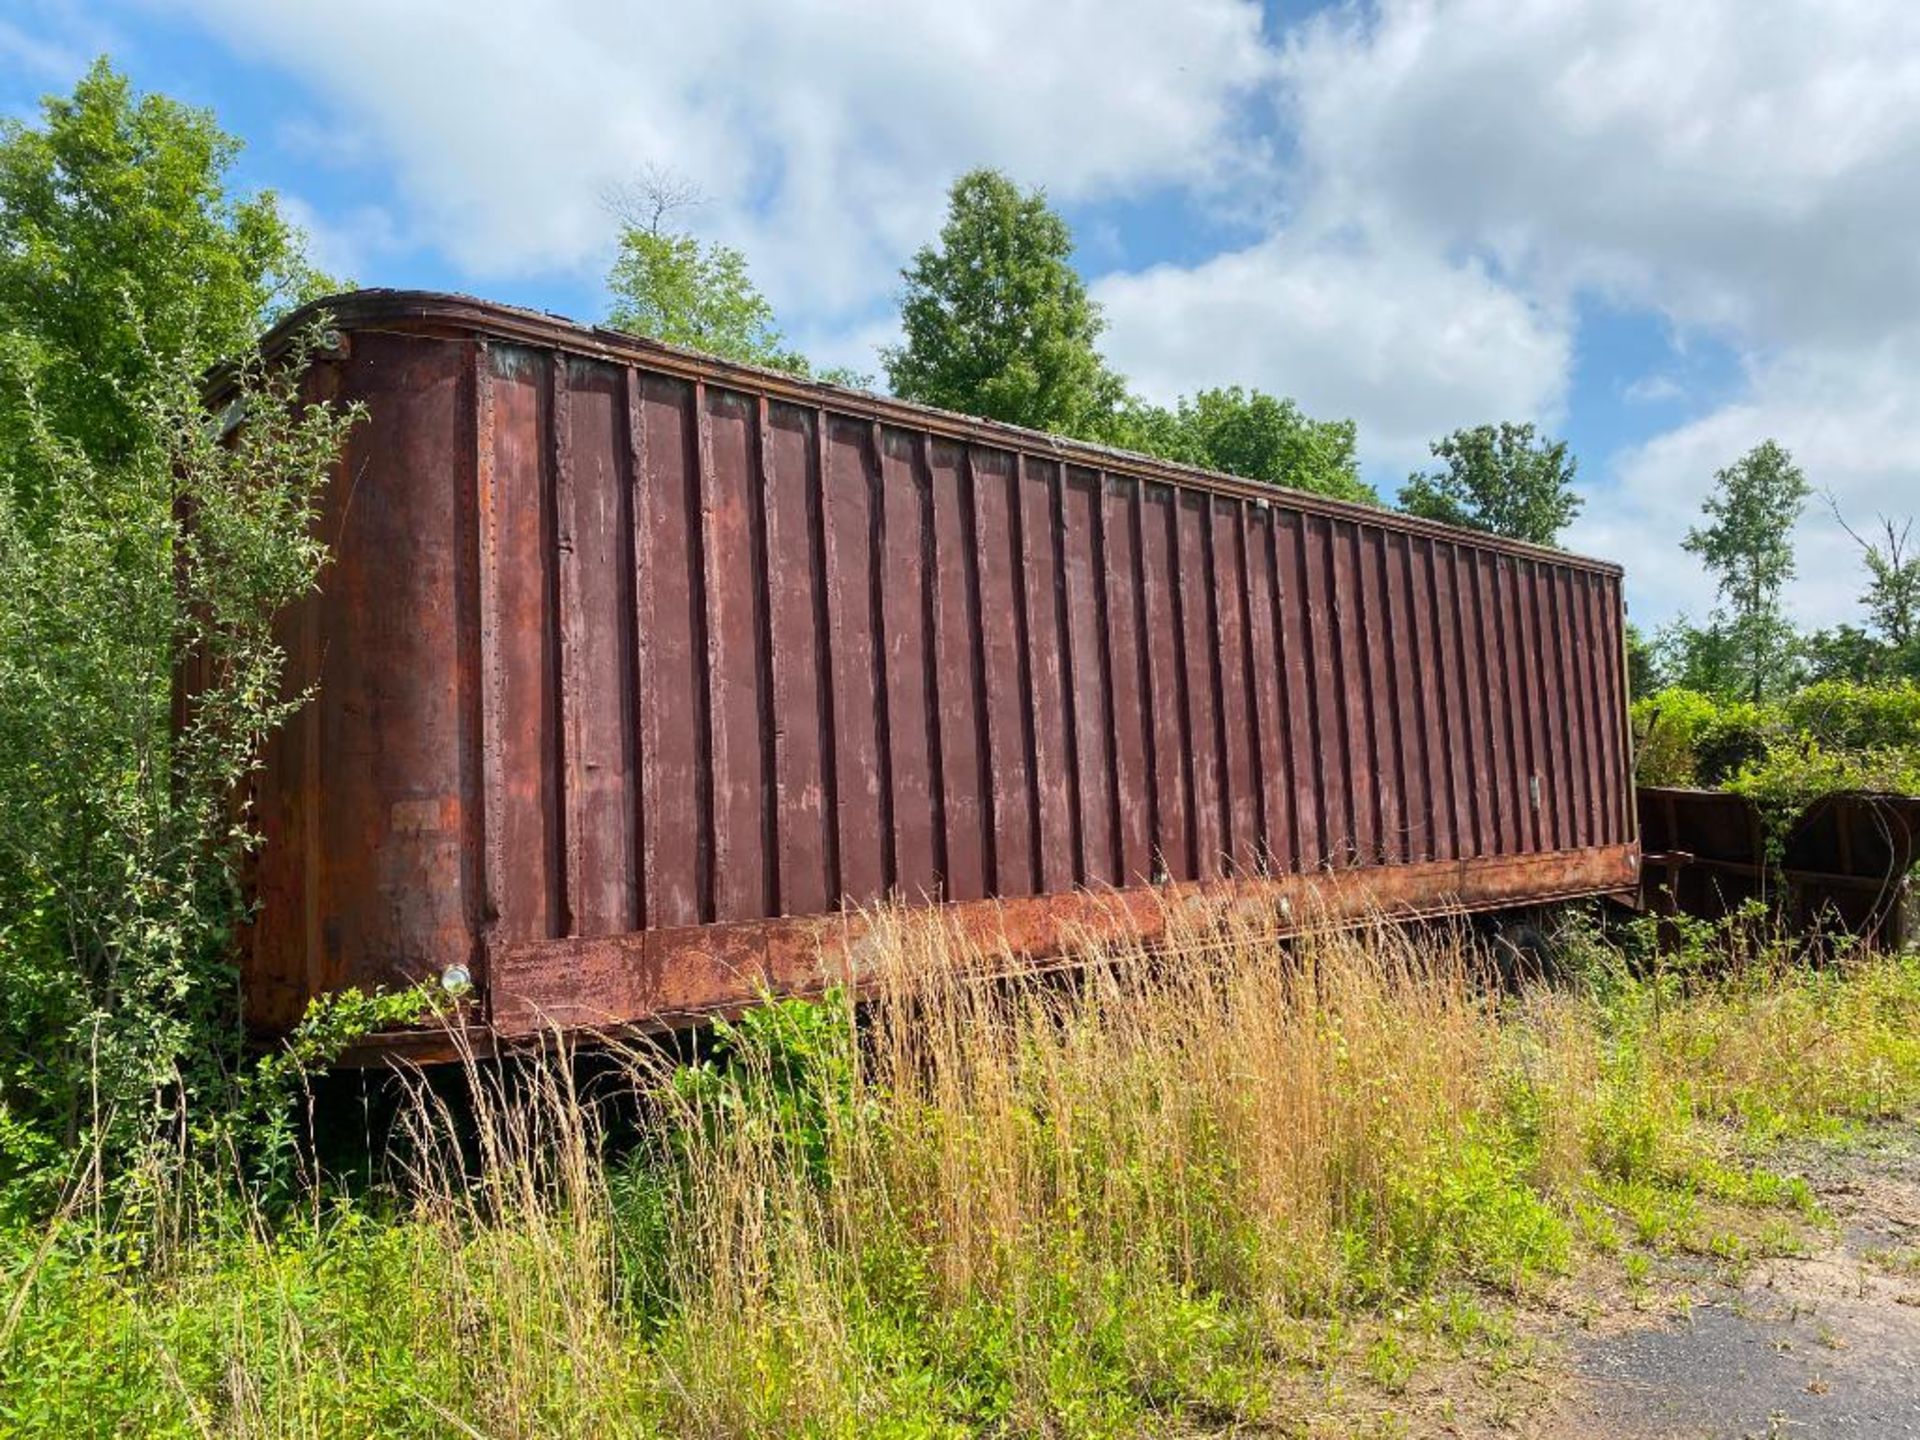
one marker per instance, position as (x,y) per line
(1825,1345)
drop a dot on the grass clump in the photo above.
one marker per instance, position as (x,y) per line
(1137,1199)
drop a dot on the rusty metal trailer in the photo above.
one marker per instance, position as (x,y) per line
(640,675)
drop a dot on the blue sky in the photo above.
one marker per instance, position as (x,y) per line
(1663,232)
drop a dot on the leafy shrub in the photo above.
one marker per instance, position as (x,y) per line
(1667,732)
(788,1066)
(1835,735)
(1856,716)
(1737,735)
(127,271)
(119,839)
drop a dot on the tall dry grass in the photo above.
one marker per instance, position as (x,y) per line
(1116,1173)
(1084,1203)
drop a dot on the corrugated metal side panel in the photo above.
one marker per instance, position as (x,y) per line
(838,660)
(606,649)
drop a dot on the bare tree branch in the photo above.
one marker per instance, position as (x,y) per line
(1893,595)
(648,199)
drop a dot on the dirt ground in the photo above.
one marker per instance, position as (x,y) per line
(1826,1343)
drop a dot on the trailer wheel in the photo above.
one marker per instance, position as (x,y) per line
(1524,949)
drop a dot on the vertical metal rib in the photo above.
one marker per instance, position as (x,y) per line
(973,563)
(1576,825)
(486,545)
(1156,856)
(1615,649)
(1593,710)
(1407,628)
(1630,820)
(1069,677)
(1601,601)
(769,715)
(1371,700)
(1209,563)
(1311,663)
(1499,739)
(1395,638)
(1296,860)
(931,623)
(882,704)
(1590,761)
(1513,619)
(1337,653)
(1023,643)
(567,605)
(827,610)
(1506,616)
(1543,700)
(712,843)
(1184,683)
(1442,682)
(1349,772)
(1109,725)
(1257,727)
(1471,740)
(1486,718)
(645,705)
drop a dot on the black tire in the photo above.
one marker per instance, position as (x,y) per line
(1523,948)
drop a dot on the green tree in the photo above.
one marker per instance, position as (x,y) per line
(1643,664)
(668,285)
(124,260)
(1748,544)
(1698,658)
(1251,434)
(126,268)
(1892,596)
(997,323)
(1846,652)
(1503,479)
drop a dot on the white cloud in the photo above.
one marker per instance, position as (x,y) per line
(332,144)
(1852,421)
(1408,343)
(1458,173)
(1655,389)
(1726,163)
(346,246)
(1748,171)
(826,133)
(52,41)
(43,57)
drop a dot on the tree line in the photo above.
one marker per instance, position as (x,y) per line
(996,322)
(1748,648)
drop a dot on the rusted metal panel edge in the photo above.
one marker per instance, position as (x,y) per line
(459,316)
(659,980)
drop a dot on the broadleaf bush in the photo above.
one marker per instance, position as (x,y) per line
(123,822)
(1836,735)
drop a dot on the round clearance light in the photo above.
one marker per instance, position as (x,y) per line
(456,979)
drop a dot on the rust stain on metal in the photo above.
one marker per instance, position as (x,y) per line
(641,675)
